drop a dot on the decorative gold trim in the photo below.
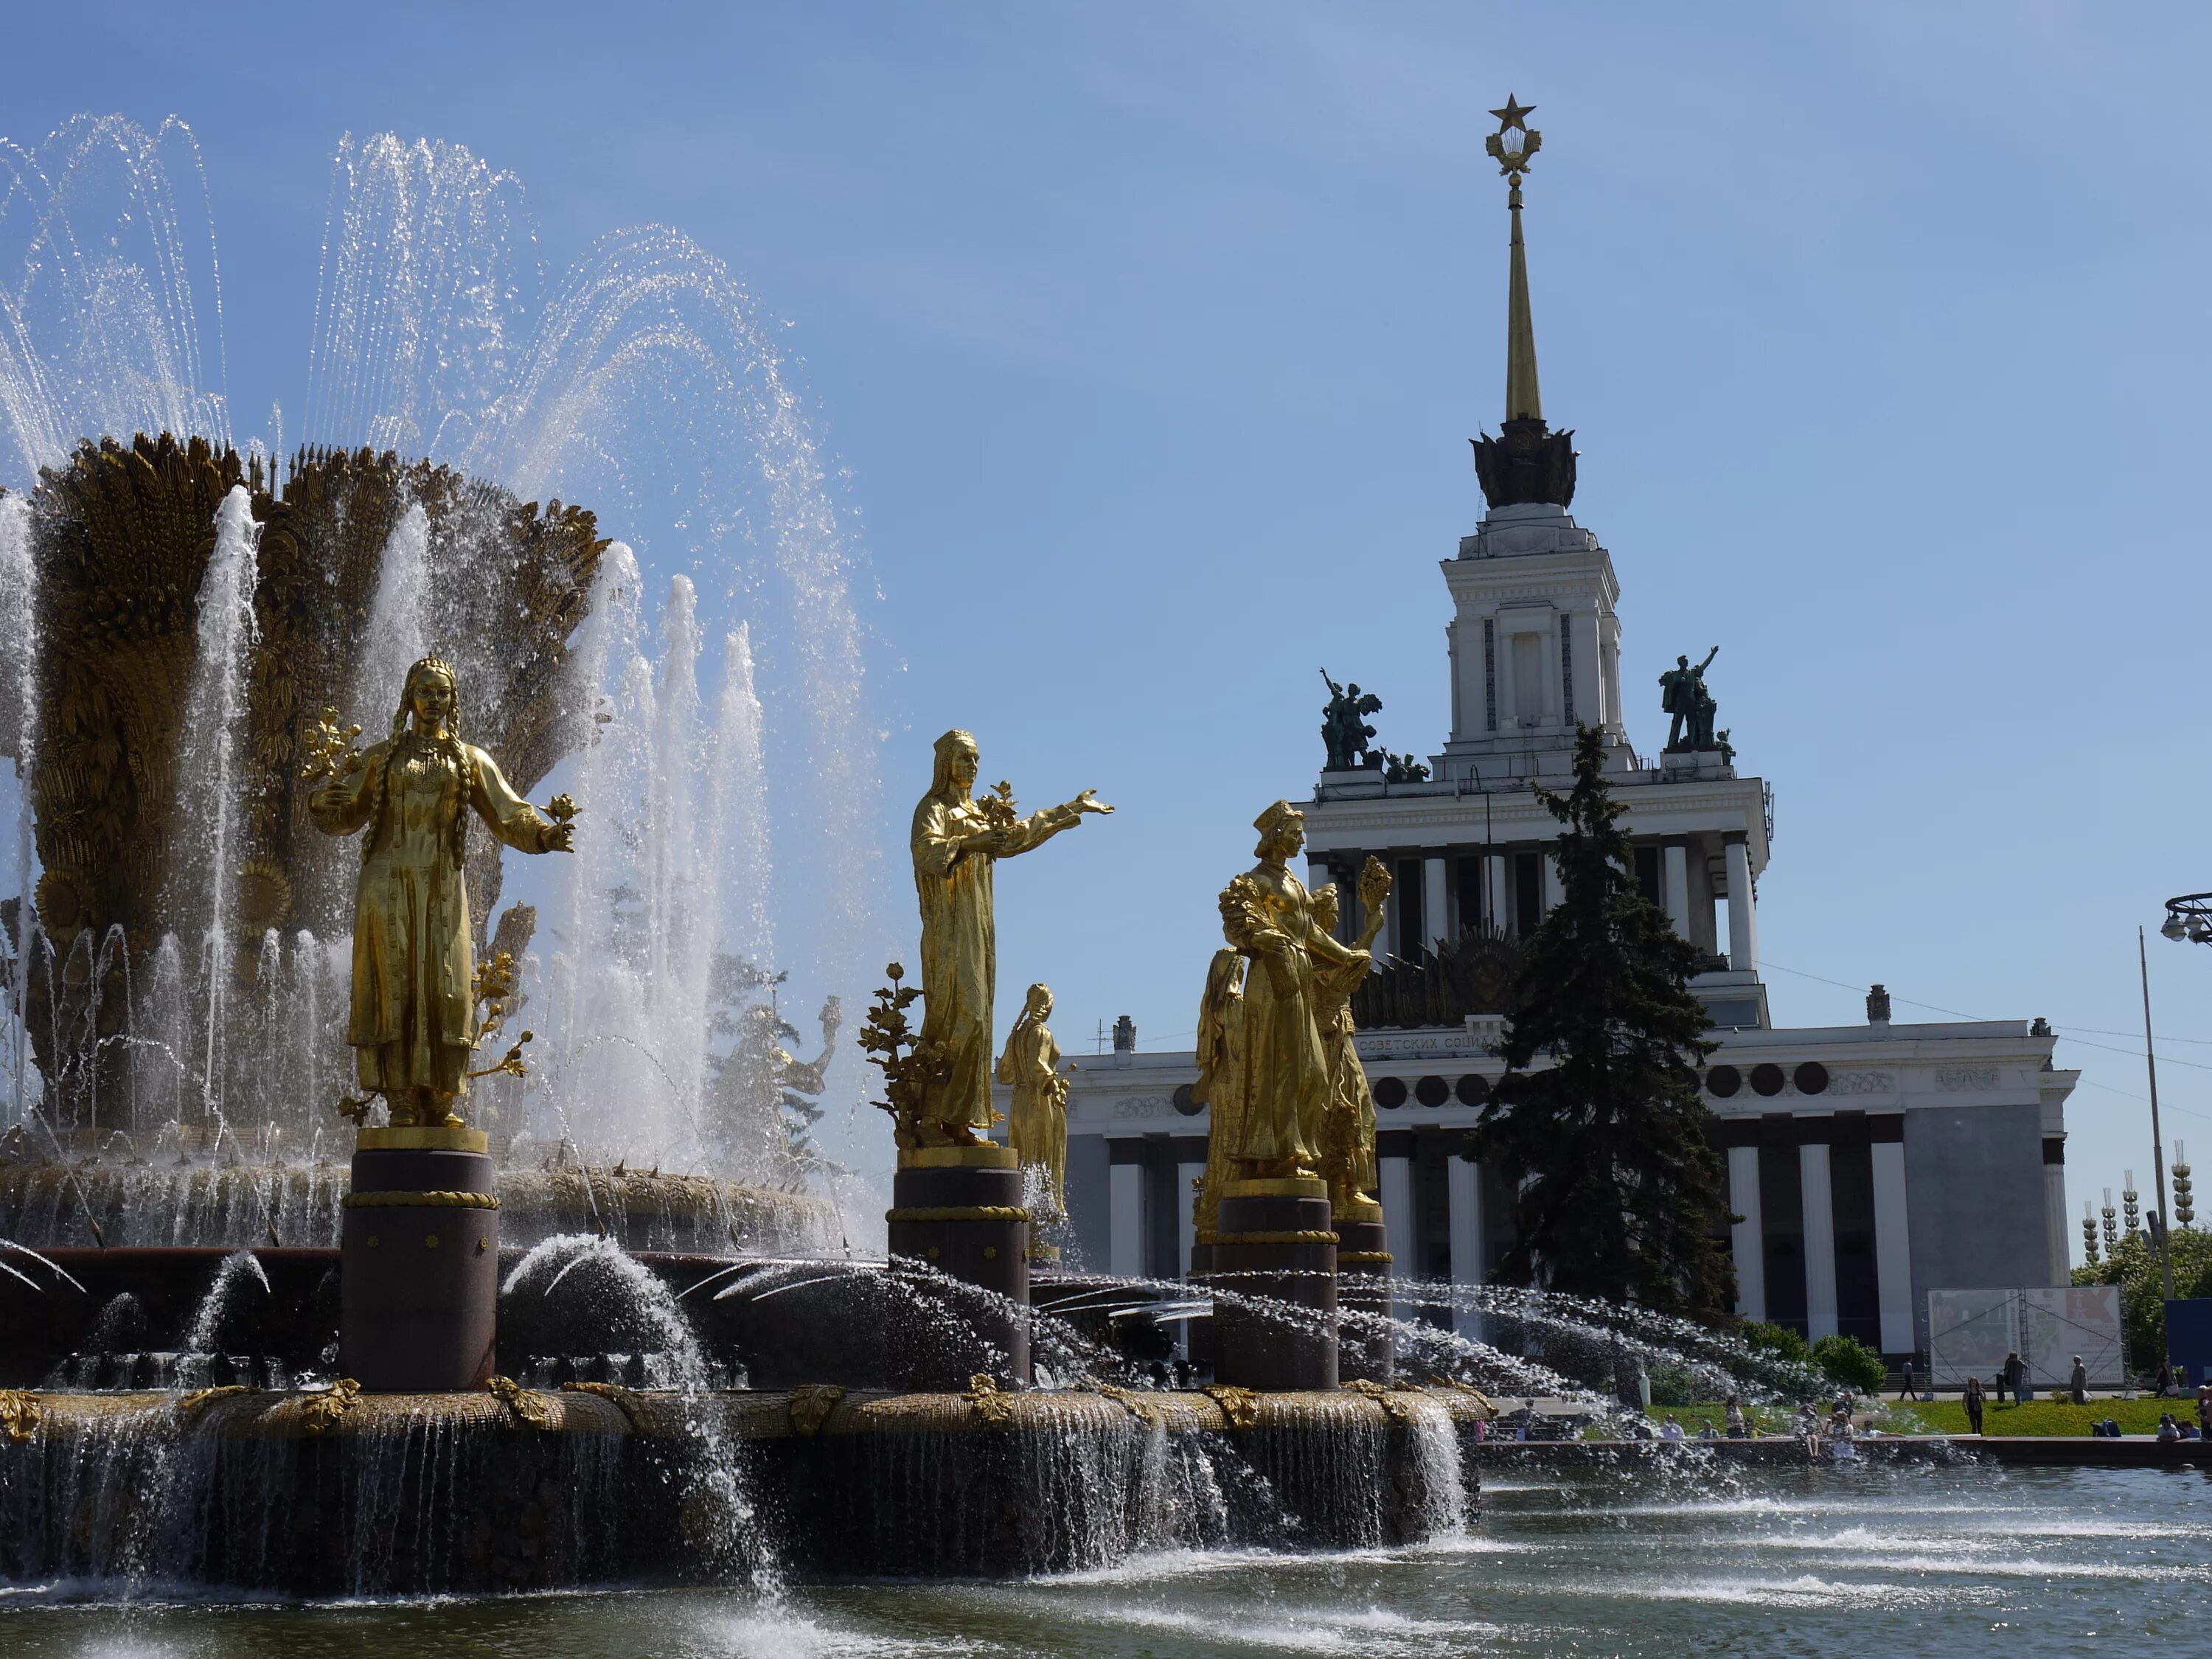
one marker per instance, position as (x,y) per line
(20,1413)
(1277,1187)
(199,1397)
(1359,1210)
(995,1408)
(530,1408)
(422,1201)
(811,1405)
(958,1212)
(628,1401)
(989,1155)
(1365,1258)
(422,1138)
(320,1411)
(1303,1236)
(1136,1404)
(1240,1406)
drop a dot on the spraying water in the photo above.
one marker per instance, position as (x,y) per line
(208,811)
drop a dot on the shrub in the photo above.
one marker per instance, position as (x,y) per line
(1779,1339)
(1671,1387)
(1849,1364)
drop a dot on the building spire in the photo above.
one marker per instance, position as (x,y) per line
(1527,463)
(1524,398)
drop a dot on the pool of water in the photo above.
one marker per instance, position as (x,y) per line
(1943,1560)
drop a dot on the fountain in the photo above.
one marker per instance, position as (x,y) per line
(604,1327)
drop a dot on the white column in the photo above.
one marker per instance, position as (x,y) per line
(1820,1242)
(1501,905)
(1186,1214)
(1743,924)
(1748,1236)
(1675,889)
(1433,900)
(1318,877)
(2054,1222)
(1397,1195)
(1125,1219)
(1893,1247)
(1550,866)
(1463,1191)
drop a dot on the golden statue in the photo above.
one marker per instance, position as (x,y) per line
(1286,1083)
(414,1021)
(1037,1127)
(1348,1134)
(1220,1086)
(956,840)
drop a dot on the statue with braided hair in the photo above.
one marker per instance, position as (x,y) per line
(413,1023)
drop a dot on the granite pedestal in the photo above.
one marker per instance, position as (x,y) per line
(418,1262)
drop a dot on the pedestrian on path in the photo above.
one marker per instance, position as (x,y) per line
(2078,1385)
(1906,1389)
(1972,1401)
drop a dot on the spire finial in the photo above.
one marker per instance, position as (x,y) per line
(1512,147)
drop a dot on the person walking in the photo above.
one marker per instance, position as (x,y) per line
(1906,1387)
(2015,1377)
(2078,1384)
(1972,1400)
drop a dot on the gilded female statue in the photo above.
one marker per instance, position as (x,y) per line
(955,842)
(1348,1135)
(413,1024)
(1220,1086)
(1267,914)
(1037,1127)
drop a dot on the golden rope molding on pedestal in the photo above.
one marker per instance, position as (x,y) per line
(1301,1236)
(958,1212)
(422,1201)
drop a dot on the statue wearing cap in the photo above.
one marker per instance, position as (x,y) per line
(956,840)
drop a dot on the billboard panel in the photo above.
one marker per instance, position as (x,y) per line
(1970,1332)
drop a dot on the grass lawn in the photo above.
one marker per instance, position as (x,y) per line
(2037,1416)
(1949,1417)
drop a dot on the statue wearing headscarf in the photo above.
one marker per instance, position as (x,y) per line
(413,1023)
(955,842)
(1036,1124)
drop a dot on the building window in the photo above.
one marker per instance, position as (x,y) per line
(1782,1222)
(1647,875)
(1528,678)
(1473,895)
(1528,892)
(1413,924)
(1567,667)
(1490,673)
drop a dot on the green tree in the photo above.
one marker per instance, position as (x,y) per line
(1849,1364)
(1621,1194)
(2133,1265)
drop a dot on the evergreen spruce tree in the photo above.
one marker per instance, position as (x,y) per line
(1600,1118)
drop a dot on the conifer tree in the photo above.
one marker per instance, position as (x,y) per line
(1599,1118)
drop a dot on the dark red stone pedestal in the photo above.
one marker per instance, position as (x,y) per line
(959,1210)
(1363,1286)
(1200,1344)
(418,1262)
(1274,1240)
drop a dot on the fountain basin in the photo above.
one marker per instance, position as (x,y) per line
(314,1494)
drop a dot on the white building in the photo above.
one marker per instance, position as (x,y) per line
(1870,1163)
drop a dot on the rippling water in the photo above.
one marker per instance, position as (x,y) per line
(1814,1562)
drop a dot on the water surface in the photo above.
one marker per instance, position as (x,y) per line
(1814,1562)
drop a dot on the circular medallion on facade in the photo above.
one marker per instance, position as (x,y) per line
(1184,1103)
(1766,1078)
(1432,1092)
(1723,1081)
(1390,1093)
(1473,1089)
(1810,1078)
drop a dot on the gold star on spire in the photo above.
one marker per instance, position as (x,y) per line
(1509,117)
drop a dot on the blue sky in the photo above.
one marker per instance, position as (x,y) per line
(1149,337)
